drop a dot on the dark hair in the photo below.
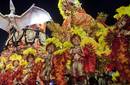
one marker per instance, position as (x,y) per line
(30,56)
(14,61)
(49,45)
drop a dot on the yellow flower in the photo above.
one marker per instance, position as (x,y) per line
(1,65)
(102,48)
(15,57)
(23,62)
(9,67)
(67,45)
(3,59)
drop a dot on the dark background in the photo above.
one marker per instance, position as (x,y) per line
(91,7)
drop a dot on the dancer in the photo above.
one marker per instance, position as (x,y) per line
(46,74)
(77,58)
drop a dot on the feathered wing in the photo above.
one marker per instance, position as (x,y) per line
(34,15)
(4,22)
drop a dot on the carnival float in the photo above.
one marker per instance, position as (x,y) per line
(82,51)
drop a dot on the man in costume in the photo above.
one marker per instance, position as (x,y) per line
(120,54)
(46,73)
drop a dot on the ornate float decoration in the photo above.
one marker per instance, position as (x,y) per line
(34,18)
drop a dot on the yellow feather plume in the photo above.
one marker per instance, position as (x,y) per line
(29,51)
(123,10)
(55,41)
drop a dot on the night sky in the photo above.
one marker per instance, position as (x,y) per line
(91,7)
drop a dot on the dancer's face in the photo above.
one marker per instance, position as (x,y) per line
(30,59)
(16,63)
(76,41)
(50,48)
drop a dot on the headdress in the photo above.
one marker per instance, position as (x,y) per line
(54,41)
(67,45)
(29,51)
(78,31)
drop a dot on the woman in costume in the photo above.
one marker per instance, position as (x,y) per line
(77,57)
(84,47)
(30,75)
(49,71)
